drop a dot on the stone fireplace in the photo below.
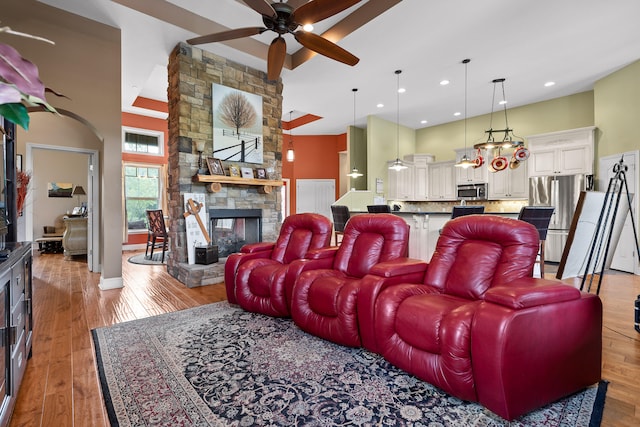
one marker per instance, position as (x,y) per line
(192,73)
(230,229)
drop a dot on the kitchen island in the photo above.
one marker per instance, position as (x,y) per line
(425,230)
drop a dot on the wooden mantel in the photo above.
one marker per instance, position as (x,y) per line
(215,182)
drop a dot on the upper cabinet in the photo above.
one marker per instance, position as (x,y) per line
(562,153)
(470,175)
(401,183)
(509,183)
(420,174)
(442,181)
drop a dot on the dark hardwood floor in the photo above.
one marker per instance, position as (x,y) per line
(61,388)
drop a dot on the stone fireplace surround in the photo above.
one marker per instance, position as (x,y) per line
(191,75)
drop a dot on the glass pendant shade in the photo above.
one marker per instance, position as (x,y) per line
(398,165)
(355,173)
(465,162)
(291,155)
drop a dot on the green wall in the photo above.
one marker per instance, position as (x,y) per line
(385,139)
(564,113)
(617,111)
(357,143)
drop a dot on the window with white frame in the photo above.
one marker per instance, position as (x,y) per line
(143,190)
(142,141)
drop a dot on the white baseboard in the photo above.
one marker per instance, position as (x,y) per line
(134,247)
(111,283)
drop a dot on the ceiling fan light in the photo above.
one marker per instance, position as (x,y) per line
(307,27)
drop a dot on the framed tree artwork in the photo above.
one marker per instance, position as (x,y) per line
(237,124)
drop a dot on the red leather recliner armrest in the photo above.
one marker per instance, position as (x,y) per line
(322,253)
(398,267)
(257,247)
(382,276)
(529,292)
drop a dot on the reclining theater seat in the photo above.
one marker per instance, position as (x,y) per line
(254,277)
(324,297)
(481,329)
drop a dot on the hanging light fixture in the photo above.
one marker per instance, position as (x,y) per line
(398,165)
(290,153)
(354,171)
(509,140)
(465,162)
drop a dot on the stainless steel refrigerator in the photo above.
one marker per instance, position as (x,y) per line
(561,192)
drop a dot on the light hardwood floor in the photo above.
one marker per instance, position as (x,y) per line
(61,388)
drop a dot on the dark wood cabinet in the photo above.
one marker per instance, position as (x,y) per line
(16,322)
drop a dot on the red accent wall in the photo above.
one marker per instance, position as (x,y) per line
(316,158)
(150,123)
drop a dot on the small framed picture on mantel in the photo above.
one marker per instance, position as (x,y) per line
(247,172)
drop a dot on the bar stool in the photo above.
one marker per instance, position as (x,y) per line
(340,215)
(539,217)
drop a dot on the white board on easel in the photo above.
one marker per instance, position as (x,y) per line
(584,229)
(194,233)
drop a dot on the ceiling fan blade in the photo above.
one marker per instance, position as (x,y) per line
(317,10)
(296,3)
(325,47)
(227,35)
(275,59)
(263,7)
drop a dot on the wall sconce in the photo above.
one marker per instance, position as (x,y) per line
(200,149)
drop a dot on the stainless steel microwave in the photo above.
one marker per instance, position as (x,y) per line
(472,192)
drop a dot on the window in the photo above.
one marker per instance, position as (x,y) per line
(142,189)
(142,141)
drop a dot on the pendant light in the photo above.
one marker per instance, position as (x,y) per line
(465,162)
(398,165)
(290,153)
(509,140)
(354,171)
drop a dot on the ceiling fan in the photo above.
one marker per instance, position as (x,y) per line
(285,18)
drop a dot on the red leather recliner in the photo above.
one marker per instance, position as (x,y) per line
(482,330)
(255,277)
(328,287)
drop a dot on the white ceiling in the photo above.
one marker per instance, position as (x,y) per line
(571,42)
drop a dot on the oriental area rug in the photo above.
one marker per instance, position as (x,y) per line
(217,365)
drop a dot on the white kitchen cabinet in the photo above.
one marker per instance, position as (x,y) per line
(401,183)
(562,153)
(442,181)
(509,183)
(420,174)
(436,222)
(470,175)
(418,236)
(421,182)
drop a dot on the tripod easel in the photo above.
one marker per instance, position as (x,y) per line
(605,226)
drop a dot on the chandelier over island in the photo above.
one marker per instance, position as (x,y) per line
(495,147)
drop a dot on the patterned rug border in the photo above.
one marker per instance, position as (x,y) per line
(592,403)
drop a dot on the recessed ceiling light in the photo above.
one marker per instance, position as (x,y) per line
(380,105)
(502,102)
(548,84)
(402,90)
(457,113)
(424,122)
(444,82)
(307,27)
